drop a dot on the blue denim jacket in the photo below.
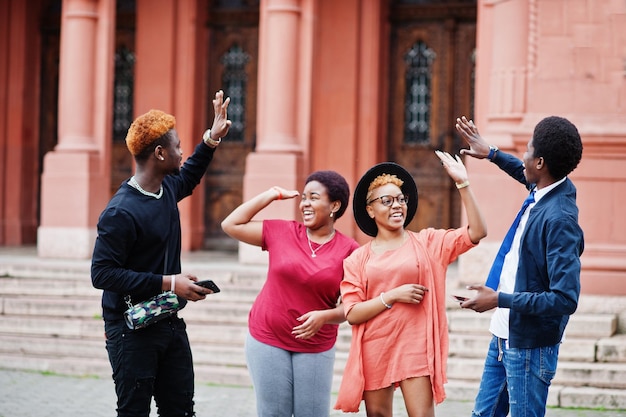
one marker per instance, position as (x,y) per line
(547,283)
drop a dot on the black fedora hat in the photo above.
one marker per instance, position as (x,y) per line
(359,202)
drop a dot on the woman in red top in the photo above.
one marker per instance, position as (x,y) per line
(393,293)
(293,323)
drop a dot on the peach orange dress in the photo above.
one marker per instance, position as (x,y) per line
(407,340)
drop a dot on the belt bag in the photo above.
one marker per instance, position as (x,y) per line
(151,311)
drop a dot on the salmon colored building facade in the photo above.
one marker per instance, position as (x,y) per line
(315,84)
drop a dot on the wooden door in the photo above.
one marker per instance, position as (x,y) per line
(232,67)
(431,83)
(49,100)
(123,93)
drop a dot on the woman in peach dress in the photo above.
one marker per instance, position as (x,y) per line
(393,293)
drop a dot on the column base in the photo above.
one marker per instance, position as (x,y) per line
(74,191)
(65,242)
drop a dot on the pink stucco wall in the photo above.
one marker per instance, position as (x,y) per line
(326,59)
(568,60)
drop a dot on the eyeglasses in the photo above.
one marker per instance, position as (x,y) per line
(388,200)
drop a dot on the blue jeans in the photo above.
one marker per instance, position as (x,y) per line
(517,379)
(154,361)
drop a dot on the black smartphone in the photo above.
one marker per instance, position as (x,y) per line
(460,298)
(208,283)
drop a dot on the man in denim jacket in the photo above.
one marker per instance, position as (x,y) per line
(539,282)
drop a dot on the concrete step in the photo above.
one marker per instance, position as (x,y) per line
(458,390)
(589,397)
(598,375)
(576,374)
(572,349)
(213,363)
(612,349)
(58,347)
(558,396)
(50,306)
(224,342)
(71,327)
(51,322)
(24,315)
(60,287)
(590,325)
(82,289)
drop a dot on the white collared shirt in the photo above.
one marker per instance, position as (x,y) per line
(499,326)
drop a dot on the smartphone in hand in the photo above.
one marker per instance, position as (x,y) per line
(460,298)
(208,283)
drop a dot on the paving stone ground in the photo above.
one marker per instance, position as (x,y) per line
(32,394)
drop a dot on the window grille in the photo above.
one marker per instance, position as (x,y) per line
(235,80)
(417,103)
(123,93)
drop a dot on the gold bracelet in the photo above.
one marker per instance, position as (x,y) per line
(209,141)
(462,185)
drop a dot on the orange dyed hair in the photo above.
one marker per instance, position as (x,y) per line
(381,180)
(147,128)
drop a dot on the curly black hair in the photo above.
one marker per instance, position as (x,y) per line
(336,186)
(558,142)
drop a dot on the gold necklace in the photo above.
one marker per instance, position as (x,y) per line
(314,251)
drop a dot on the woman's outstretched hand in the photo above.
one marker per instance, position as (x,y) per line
(453,166)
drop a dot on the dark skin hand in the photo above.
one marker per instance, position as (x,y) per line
(478,147)
(185,287)
(485,299)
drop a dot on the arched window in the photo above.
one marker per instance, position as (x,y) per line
(418,94)
(123,93)
(234,80)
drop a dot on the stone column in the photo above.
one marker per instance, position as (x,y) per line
(505,46)
(277,159)
(75,180)
(509,60)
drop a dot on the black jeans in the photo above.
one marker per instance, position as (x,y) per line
(153,361)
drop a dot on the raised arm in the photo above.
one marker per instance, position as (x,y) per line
(477,228)
(478,147)
(239,224)
(213,136)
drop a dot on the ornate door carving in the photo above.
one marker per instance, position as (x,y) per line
(431,83)
(232,66)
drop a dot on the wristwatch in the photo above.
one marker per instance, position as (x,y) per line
(207,139)
(492,152)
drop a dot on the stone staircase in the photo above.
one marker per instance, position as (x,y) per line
(50,321)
